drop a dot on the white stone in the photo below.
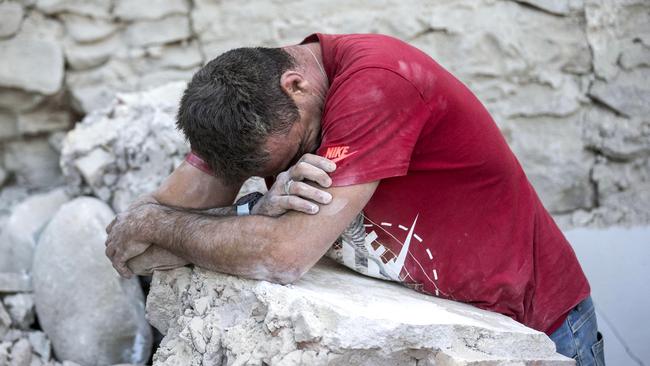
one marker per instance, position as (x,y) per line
(4,352)
(92,166)
(558,168)
(96,8)
(560,7)
(33,162)
(616,137)
(87,29)
(150,32)
(21,353)
(5,320)
(94,322)
(613,26)
(628,93)
(19,100)
(82,56)
(153,9)
(623,191)
(636,55)
(14,282)
(8,124)
(178,56)
(331,316)
(95,88)
(19,237)
(138,133)
(11,16)
(40,344)
(43,120)
(31,64)
(21,309)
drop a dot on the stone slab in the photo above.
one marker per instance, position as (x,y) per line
(331,316)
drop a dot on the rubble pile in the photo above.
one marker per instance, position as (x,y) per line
(331,316)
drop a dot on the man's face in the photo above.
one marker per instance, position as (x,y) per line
(286,150)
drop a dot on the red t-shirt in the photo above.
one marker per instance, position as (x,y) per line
(454,215)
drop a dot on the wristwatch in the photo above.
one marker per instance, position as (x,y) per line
(246,203)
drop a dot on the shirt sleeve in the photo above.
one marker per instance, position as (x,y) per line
(370,126)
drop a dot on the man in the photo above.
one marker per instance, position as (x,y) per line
(418,180)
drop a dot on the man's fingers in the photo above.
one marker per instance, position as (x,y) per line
(306,171)
(110,226)
(319,162)
(297,204)
(110,251)
(304,190)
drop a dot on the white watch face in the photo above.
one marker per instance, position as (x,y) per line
(243,210)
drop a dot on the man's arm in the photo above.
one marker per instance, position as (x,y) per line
(186,187)
(278,249)
(189,187)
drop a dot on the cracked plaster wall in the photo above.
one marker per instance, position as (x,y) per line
(568,81)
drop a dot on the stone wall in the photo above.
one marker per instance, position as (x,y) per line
(568,81)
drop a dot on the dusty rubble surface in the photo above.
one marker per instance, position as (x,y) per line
(330,317)
(126,150)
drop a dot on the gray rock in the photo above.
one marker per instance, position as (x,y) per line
(151,32)
(13,335)
(560,7)
(96,8)
(558,168)
(11,282)
(18,100)
(612,27)
(154,9)
(31,64)
(40,344)
(8,124)
(628,93)
(11,16)
(19,237)
(4,352)
(330,317)
(623,191)
(187,56)
(135,142)
(21,353)
(33,162)
(616,137)
(94,322)
(21,310)
(95,88)
(5,321)
(44,119)
(87,29)
(82,56)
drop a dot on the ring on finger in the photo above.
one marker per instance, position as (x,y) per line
(287,187)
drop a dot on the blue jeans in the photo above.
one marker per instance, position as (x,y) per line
(578,336)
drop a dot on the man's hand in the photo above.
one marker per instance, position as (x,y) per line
(125,235)
(292,192)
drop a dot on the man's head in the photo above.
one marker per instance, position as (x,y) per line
(246,112)
(233,104)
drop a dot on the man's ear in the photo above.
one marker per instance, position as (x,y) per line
(293,83)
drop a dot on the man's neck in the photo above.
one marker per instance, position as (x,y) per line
(309,58)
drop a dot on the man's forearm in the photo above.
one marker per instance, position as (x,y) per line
(245,246)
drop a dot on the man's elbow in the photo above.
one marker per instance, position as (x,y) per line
(288,262)
(287,269)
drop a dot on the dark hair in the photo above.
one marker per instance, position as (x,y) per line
(232,105)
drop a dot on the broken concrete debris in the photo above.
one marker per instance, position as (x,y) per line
(330,317)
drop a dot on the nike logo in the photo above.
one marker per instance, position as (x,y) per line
(338,153)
